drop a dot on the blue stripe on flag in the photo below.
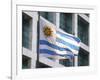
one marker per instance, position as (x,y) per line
(46,51)
(67,44)
(44,42)
(68,36)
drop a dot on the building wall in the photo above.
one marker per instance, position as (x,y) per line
(70,23)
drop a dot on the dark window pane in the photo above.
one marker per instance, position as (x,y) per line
(26,62)
(83,58)
(66,22)
(26,31)
(83,30)
(66,62)
(48,15)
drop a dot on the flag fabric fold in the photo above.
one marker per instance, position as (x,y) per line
(54,41)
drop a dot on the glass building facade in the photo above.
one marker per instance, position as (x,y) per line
(50,16)
(83,30)
(26,31)
(65,21)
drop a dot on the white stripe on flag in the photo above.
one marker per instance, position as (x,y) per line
(52,49)
(64,46)
(71,41)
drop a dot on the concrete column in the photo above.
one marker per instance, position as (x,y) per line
(34,39)
(58,20)
(75,31)
(75,24)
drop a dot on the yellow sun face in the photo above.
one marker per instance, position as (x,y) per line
(47,31)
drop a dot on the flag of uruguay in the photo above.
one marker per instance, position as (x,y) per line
(55,41)
(68,41)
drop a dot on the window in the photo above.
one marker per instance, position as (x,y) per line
(83,58)
(26,62)
(66,62)
(66,22)
(26,31)
(50,16)
(83,30)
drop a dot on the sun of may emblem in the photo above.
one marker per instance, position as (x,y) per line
(47,31)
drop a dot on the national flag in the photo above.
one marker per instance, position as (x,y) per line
(54,41)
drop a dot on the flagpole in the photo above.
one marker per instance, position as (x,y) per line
(38,38)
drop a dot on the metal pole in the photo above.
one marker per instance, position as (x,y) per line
(38,38)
